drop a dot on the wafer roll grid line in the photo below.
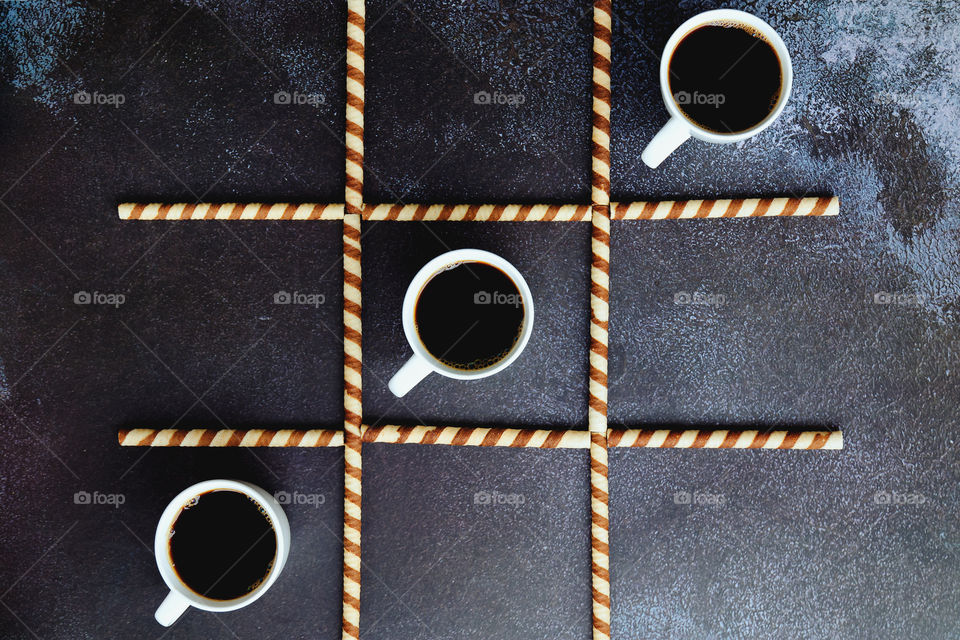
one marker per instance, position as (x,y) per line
(596,436)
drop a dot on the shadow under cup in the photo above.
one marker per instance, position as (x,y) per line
(222,545)
(469,316)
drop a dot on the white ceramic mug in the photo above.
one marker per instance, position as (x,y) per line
(680,128)
(422,362)
(181,597)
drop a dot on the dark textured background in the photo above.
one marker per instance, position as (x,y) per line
(799,548)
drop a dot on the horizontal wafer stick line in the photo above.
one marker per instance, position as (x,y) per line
(230,438)
(724,439)
(735,208)
(662,210)
(479,437)
(478,212)
(229,211)
(487,437)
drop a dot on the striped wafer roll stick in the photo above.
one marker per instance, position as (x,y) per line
(599,315)
(597,423)
(356,11)
(736,208)
(602,24)
(229,211)
(230,438)
(478,437)
(353,411)
(479,212)
(724,439)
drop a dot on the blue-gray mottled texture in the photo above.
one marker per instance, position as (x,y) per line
(848,322)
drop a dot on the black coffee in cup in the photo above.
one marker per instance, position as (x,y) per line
(469,316)
(725,77)
(222,544)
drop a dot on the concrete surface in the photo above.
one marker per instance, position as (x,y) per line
(850,322)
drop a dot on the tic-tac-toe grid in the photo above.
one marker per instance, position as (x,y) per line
(599,213)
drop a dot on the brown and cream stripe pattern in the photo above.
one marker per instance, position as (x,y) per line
(353,415)
(356,13)
(479,212)
(230,438)
(602,25)
(599,316)
(352,402)
(653,210)
(735,208)
(724,439)
(479,437)
(486,437)
(229,211)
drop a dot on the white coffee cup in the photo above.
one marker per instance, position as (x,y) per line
(181,597)
(680,128)
(422,362)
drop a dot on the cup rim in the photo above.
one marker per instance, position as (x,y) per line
(435,266)
(161,542)
(733,15)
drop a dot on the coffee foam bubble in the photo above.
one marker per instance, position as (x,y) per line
(733,24)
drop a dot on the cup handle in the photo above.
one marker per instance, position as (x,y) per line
(171,608)
(671,136)
(412,372)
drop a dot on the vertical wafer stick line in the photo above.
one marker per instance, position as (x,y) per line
(597,423)
(352,357)
(602,23)
(356,11)
(599,316)
(352,410)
